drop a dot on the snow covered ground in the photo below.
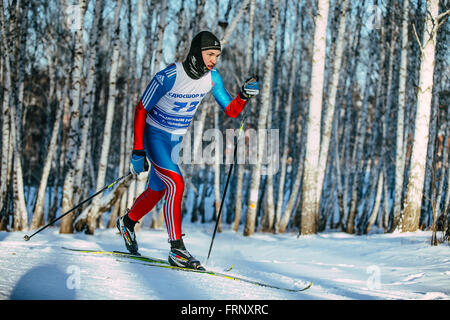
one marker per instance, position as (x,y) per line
(341,266)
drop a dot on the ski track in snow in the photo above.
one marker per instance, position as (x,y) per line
(341,266)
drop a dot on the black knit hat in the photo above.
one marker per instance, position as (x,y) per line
(207,41)
(194,65)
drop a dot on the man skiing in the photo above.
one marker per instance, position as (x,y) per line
(161,118)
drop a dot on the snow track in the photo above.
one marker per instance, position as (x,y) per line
(341,266)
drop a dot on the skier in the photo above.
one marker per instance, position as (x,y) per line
(161,118)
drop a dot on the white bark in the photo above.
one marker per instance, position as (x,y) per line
(217,161)
(376,207)
(250,219)
(87,101)
(294,195)
(233,24)
(287,126)
(110,106)
(20,210)
(309,187)
(400,148)
(413,199)
(11,110)
(161,28)
(331,102)
(39,206)
(4,176)
(130,194)
(267,220)
(74,134)
(241,167)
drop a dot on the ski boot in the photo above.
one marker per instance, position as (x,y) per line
(126,229)
(180,257)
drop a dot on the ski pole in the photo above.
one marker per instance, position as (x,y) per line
(226,185)
(27,237)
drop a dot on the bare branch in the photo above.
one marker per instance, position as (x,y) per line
(417,38)
(443,14)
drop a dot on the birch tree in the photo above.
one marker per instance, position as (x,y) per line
(241,167)
(53,51)
(232,26)
(39,206)
(110,106)
(87,100)
(309,213)
(376,206)
(331,100)
(283,219)
(250,219)
(6,47)
(16,38)
(400,149)
(74,134)
(133,89)
(413,199)
(218,155)
(161,28)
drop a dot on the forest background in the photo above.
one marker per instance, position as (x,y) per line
(357,91)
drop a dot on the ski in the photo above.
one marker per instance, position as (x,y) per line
(121,254)
(155,262)
(129,256)
(226,276)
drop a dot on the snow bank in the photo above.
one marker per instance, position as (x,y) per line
(341,266)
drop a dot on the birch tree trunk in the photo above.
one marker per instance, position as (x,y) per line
(376,207)
(361,131)
(400,149)
(130,193)
(343,153)
(387,117)
(74,134)
(217,161)
(103,163)
(198,21)
(241,167)
(6,46)
(356,160)
(446,171)
(20,210)
(250,219)
(232,26)
(148,45)
(87,101)
(446,211)
(132,89)
(294,197)
(13,39)
(410,219)
(267,219)
(309,213)
(161,29)
(331,102)
(437,195)
(38,214)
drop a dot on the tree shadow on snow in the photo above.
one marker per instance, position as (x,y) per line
(45,282)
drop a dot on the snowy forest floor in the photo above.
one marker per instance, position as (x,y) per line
(341,266)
